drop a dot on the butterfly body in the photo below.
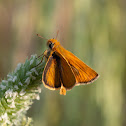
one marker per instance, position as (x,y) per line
(64,70)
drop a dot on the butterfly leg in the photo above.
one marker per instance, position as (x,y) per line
(42,55)
(40,61)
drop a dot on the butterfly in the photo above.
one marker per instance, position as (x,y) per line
(63,70)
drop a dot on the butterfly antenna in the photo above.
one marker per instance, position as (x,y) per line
(41,37)
(57,34)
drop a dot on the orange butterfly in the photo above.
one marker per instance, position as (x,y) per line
(64,70)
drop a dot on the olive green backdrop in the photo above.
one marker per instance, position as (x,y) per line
(95,31)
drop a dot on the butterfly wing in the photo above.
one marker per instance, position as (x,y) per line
(57,73)
(67,76)
(82,72)
(51,74)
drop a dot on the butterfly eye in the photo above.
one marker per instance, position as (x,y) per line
(51,45)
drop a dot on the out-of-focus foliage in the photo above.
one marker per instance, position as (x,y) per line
(93,30)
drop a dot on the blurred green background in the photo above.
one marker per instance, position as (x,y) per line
(95,31)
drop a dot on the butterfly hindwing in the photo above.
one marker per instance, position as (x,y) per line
(51,75)
(67,76)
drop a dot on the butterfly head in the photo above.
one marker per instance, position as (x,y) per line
(52,43)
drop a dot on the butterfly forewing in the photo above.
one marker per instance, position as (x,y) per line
(51,75)
(82,72)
